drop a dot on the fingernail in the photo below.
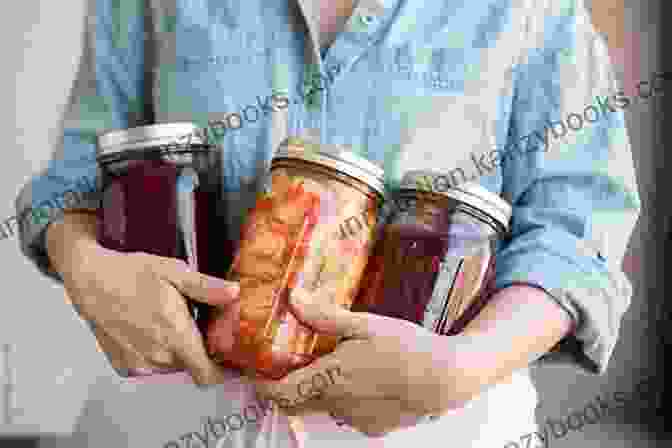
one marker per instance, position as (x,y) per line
(300,297)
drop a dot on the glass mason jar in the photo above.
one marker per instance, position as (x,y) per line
(311,229)
(435,262)
(161,189)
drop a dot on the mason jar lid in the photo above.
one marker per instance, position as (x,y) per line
(152,136)
(469,193)
(335,157)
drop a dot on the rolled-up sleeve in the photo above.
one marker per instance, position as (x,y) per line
(106,95)
(575,200)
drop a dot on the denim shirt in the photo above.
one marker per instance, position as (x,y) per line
(491,91)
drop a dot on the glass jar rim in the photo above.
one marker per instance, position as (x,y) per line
(467,205)
(166,137)
(334,157)
(469,193)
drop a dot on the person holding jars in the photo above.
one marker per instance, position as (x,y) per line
(409,89)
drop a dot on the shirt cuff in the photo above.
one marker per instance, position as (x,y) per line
(34,221)
(583,295)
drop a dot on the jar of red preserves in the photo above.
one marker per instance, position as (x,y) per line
(435,262)
(311,229)
(161,193)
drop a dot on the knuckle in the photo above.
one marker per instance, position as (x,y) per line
(161,357)
(167,263)
(282,401)
(205,379)
(171,325)
(147,264)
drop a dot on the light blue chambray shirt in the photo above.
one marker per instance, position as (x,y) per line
(433,84)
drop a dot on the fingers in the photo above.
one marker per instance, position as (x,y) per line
(191,352)
(184,351)
(200,287)
(221,328)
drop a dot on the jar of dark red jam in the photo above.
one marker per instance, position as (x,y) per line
(435,262)
(161,189)
(312,229)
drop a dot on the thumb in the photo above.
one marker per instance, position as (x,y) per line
(325,317)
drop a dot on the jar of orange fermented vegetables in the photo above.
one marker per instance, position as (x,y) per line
(313,229)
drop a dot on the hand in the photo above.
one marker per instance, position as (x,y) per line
(136,302)
(391,372)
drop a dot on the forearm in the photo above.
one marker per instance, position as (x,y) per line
(517,326)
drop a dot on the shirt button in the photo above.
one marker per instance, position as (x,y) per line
(367,20)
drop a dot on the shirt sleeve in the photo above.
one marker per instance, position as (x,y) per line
(106,95)
(575,201)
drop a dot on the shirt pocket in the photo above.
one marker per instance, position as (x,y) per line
(423,122)
(208,74)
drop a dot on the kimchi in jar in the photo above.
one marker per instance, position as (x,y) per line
(311,229)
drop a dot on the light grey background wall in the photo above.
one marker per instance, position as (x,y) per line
(40,42)
(55,362)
